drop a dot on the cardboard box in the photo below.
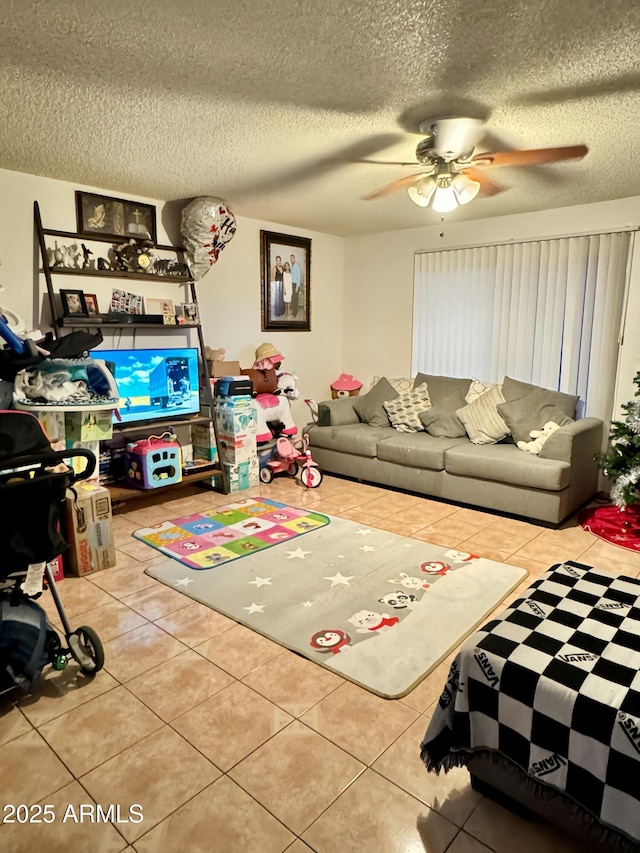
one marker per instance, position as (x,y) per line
(237,421)
(89,426)
(203,440)
(238,476)
(223,368)
(87,522)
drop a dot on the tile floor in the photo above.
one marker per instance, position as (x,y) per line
(230,742)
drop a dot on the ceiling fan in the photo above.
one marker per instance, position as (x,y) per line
(452,174)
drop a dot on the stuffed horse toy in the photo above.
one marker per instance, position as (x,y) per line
(273,395)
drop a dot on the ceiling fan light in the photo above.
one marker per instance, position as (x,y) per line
(444,201)
(465,189)
(421,193)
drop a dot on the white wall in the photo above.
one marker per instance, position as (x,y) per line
(379,282)
(229,294)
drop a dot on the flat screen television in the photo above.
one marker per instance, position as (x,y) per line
(154,383)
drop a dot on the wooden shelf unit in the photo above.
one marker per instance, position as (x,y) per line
(120,492)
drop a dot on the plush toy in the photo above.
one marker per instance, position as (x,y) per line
(345,386)
(538,436)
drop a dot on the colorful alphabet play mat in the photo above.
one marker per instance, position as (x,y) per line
(379,609)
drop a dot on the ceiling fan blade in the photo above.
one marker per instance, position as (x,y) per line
(532,157)
(400,184)
(387,162)
(487,186)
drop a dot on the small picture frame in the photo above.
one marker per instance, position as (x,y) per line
(91,301)
(189,311)
(114,218)
(153,305)
(285,262)
(73,303)
(123,302)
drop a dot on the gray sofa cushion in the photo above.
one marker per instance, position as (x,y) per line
(440,387)
(357,439)
(512,389)
(441,419)
(417,450)
(337,412)
(530,412)
(504,463)
(369,407)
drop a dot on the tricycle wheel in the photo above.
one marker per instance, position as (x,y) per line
(292,470)
(266,475)
(86,648)
(311,477)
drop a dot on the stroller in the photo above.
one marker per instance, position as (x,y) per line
(33,483)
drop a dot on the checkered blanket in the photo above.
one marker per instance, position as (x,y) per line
(554,686)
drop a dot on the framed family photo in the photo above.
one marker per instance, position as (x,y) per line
(285,262)
(73,303)
(114,218)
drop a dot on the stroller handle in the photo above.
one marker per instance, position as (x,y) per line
(55,456)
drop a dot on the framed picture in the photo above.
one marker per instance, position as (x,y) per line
(189,310)
(158,306)
(123,302)
(73,303)
(114,218)
(91,301)
(286,282)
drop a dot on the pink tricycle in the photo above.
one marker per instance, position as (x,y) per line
(286,456)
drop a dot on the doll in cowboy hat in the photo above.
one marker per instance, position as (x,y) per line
(271,407)
(267,358)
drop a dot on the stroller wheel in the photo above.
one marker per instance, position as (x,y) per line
(86,648)
(292,470)
(311,477)
(266,475)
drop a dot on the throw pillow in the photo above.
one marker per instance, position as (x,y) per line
(481,418)
(404,411)
(531,412)
(440,387)
(402,384)
(369,407)
(476,388)
(513,390)
(441,420)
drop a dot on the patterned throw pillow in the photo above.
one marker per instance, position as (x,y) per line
(482,420)
(402,385)
(404,411)
(477,388)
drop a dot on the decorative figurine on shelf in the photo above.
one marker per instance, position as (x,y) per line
(132,256)
(86,262)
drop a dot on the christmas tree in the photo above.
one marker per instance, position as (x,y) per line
(621,462)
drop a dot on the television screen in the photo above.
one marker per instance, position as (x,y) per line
(154,383)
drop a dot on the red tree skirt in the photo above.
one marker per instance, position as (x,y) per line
(618,526)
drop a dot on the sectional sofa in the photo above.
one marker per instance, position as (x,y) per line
(456,439)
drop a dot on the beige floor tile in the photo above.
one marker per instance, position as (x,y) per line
(464,843)
(13,722)
(296,775)
(239,650)
(373,814)
(179,684)
(195,624)
(362,517)
(231,725)
(610,558)
(110,620)
(160,773)
(30,770)
(444,540)
(452,528)
(138,651)
(534,567)
(359,722)
(148,516)
(299,846)
(554,546)
(67,832)
(138,550)
(56,693)
(497,828)
(450,794)
(429,689)
(494,543)
(293,682)
(428,512)
(396,524)
(78,595)
(222,817)
(99,729)
(156,601)
(120,582)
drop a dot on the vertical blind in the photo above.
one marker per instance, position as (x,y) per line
(546,312)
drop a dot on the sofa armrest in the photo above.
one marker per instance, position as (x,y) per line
(338,412)
(576,443)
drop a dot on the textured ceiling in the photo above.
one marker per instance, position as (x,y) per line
(267,103)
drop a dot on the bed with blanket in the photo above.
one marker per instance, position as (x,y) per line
(543,706)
